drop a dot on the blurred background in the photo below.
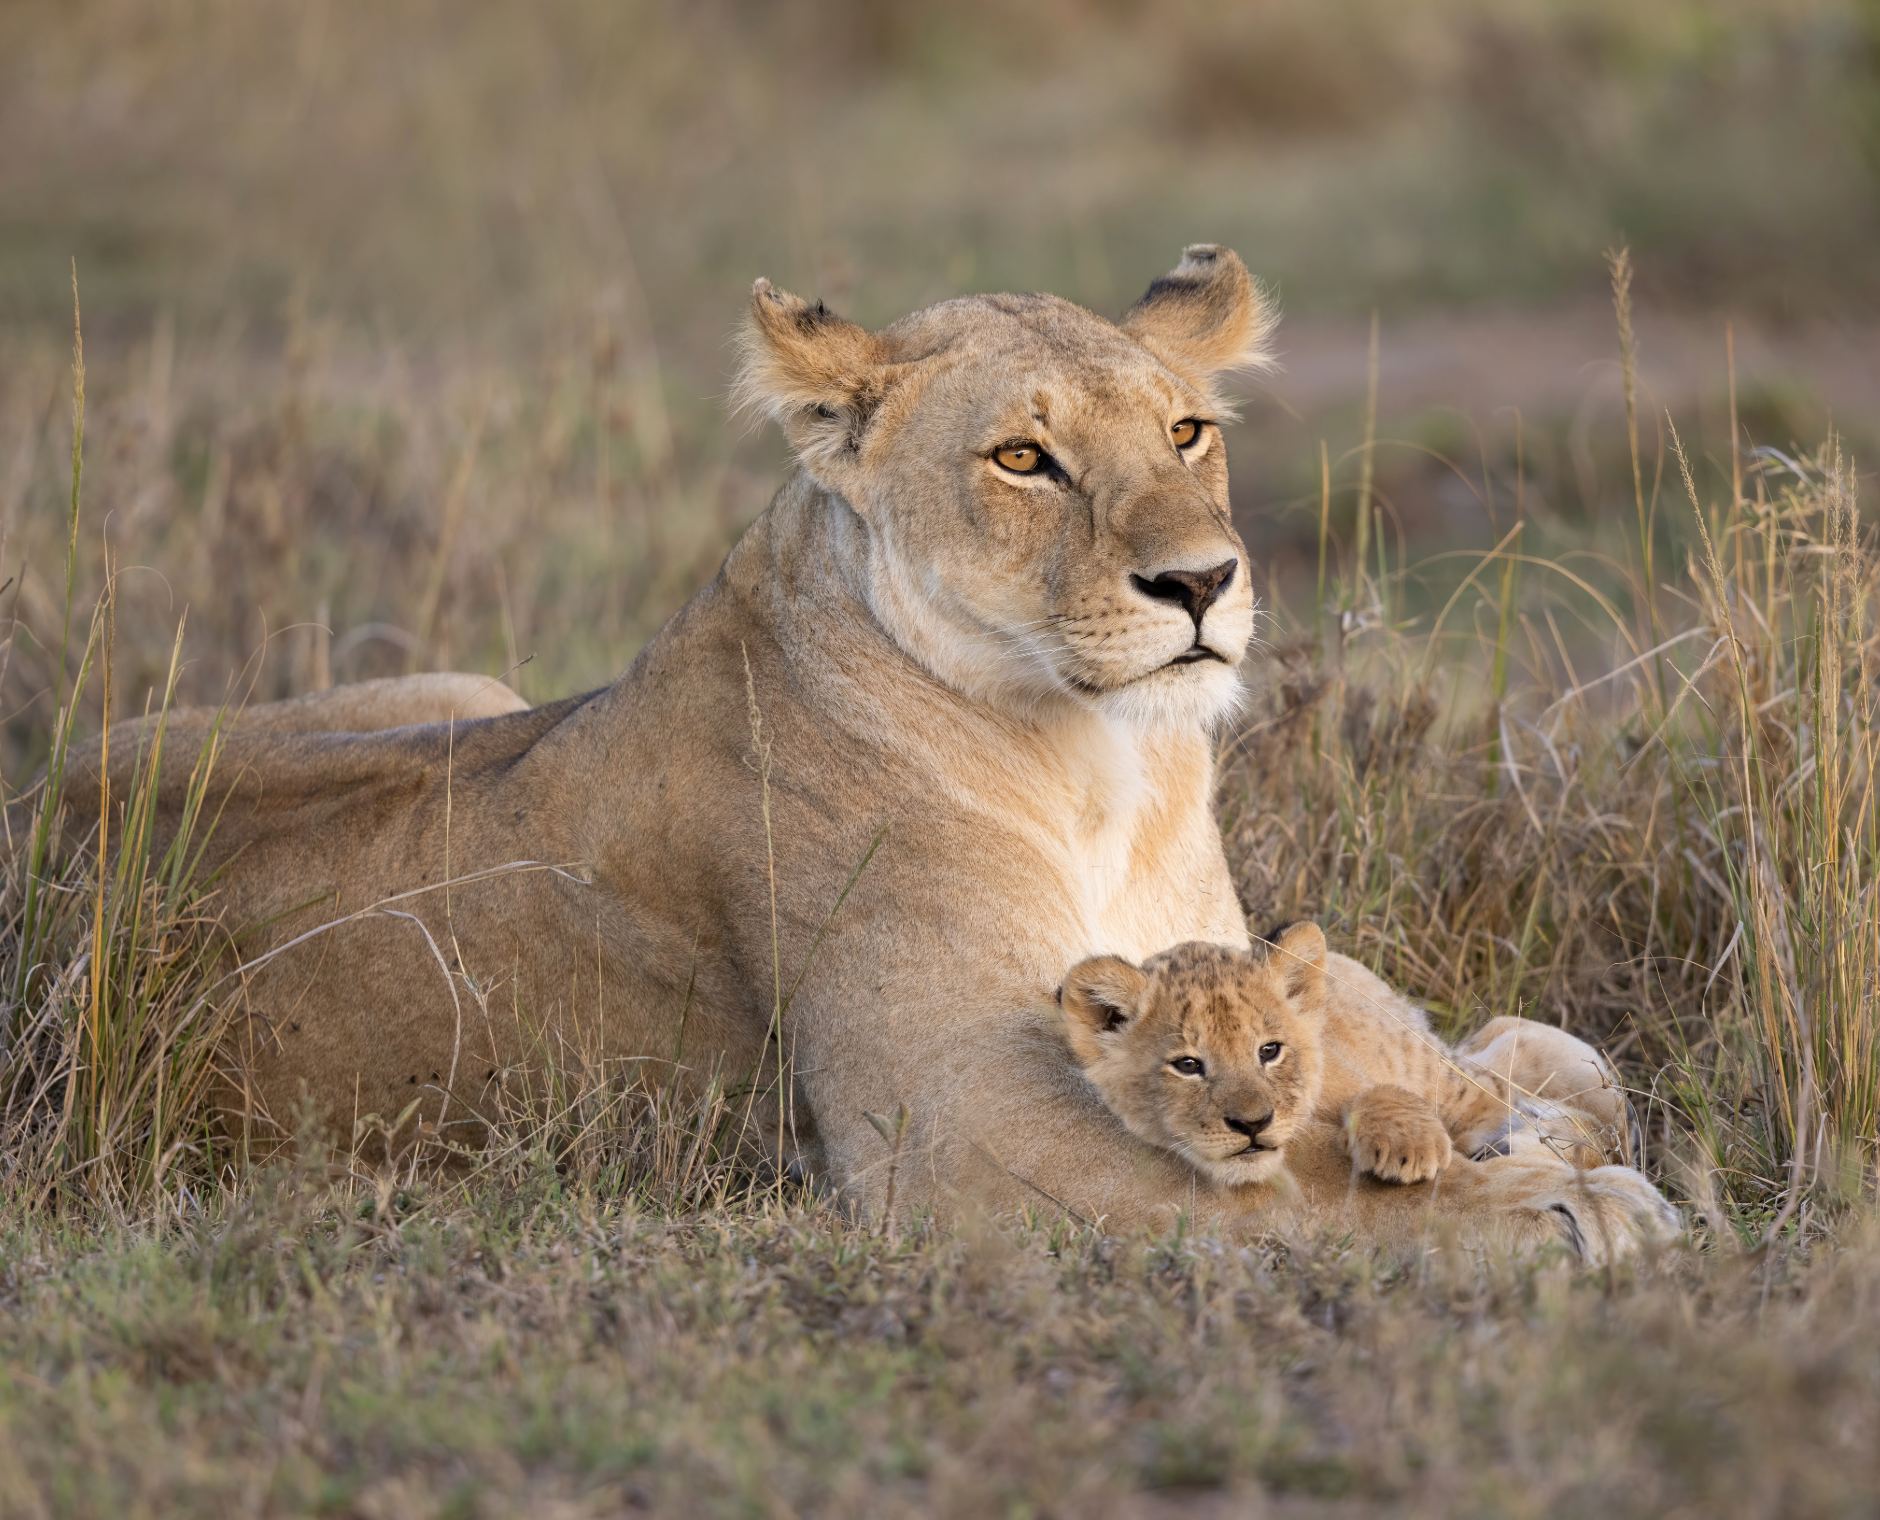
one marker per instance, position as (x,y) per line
(406,321)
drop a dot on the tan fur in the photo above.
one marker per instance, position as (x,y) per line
(1513,1082)
(1406,1102)
(1288,1033)
(985,678)
(1397,1134)
(1205,1051)
(365,707)
(1552,1071)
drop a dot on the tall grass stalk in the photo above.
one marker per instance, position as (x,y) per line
(107,1045)
(1367,478)
(1792,807)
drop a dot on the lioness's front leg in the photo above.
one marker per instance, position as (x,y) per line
(1527,1197)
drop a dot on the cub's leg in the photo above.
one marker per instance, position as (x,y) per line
(1401,1133)
(1563,1088)
(1396,1135)
(1478,1107)
(1548,1063)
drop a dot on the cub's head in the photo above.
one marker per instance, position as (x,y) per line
(1044,493)
(1208,1052)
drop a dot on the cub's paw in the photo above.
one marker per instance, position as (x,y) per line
(1396,1136)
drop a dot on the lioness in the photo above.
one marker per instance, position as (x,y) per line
(1218,1054)
(985,632)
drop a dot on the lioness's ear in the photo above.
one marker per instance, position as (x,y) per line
(1299,959)
(815,373)
(1099,997)
(1204,316)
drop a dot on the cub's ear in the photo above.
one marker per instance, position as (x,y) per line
(816,374)
(1204,316)
(1100,998)
(1299,960)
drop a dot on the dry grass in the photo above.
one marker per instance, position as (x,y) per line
(633,162)
(546,1348)
(1675,857)
(1613,770)
(416,332)
(607,1309)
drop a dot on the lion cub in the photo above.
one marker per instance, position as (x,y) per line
(1213,1055)
(1219,1054)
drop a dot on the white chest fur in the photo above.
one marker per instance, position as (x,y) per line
(1140,840)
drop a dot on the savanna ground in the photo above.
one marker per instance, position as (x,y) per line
(404,336)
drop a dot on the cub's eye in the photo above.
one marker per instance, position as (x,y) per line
(1189,1066)
(1185,432)
(1020,458)
(1269,1052)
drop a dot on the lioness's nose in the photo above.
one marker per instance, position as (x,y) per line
(1250,1127)
(1195,590)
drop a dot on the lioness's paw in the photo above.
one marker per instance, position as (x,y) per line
(1611,1212)
(1396,1136)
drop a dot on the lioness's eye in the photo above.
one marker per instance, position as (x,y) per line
(1020,458)
(1269,1052)
(1188,1066)
(1185,432)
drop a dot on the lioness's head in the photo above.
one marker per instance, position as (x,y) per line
(1208,1052)
(1044,492)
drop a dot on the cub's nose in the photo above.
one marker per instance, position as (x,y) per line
(1193,590)
(1250,1127)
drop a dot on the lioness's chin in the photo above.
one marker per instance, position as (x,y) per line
(1199,694)
(1245,1169)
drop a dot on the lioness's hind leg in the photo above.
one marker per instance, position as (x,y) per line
(1396,1135)
(390,702)
(365,707)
